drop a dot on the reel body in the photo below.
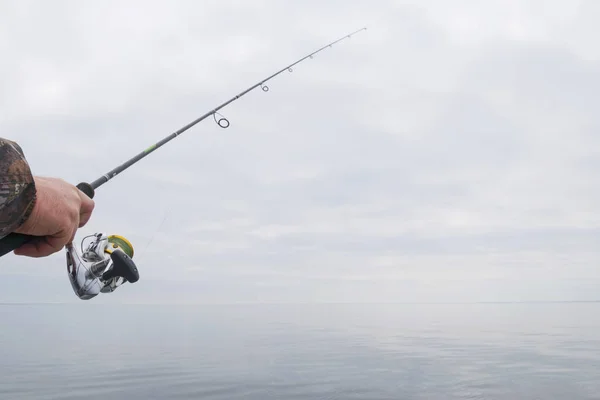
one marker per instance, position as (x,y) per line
(102,267)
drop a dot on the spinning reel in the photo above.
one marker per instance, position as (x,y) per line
(102,267)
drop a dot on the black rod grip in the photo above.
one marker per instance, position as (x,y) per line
(15,240)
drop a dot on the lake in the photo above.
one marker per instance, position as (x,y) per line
(324,351)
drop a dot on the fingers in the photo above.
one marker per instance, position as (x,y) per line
(87,204)
(38,248)
(87,207)
(72,237)
(48,245)
(84,217)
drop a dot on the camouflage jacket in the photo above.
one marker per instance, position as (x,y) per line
(17,188)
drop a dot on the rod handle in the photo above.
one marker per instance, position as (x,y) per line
(13,241)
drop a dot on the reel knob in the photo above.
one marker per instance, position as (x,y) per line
(123,266)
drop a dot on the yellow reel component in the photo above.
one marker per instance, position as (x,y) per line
(116,241)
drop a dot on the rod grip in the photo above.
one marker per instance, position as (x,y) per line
(15,240)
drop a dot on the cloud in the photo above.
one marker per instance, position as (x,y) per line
(445,150)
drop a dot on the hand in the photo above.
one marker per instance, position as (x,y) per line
(60,209)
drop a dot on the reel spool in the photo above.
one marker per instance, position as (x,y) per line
(116,241)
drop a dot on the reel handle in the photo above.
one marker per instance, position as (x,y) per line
(15,240)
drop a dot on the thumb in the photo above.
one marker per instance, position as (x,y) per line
(86,209)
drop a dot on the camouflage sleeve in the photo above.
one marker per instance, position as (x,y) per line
(17,187)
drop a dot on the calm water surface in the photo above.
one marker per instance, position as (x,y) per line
(474,351)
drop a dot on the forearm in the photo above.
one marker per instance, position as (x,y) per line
(17,187)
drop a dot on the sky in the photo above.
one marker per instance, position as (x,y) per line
(445,154)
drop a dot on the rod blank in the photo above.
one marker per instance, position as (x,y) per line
(223,123)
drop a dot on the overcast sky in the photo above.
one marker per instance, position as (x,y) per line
(447,153)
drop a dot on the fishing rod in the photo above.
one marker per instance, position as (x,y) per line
(107,262)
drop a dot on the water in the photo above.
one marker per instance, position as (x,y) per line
(453,351)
